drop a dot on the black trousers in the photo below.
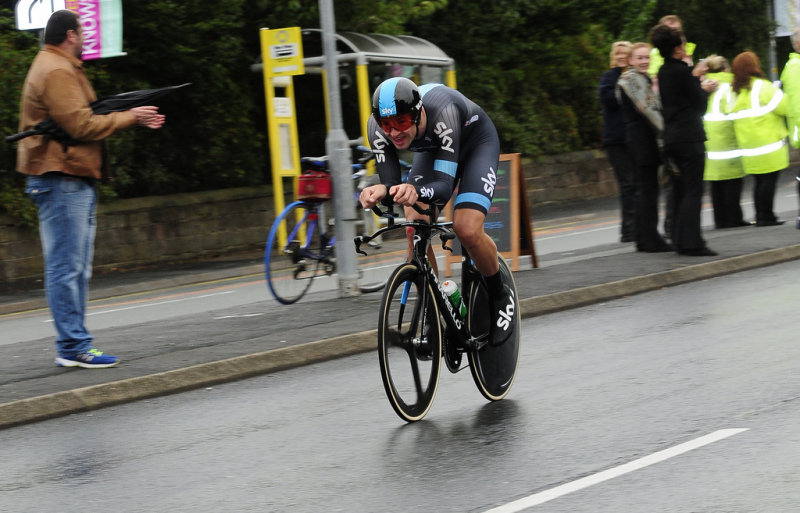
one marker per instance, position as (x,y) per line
(689,158)
(726,197)
(624,169)
(764,196)
(647,236)
(668,175)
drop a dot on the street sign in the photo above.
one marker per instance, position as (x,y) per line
(285,56)
(33,14)
(101,21)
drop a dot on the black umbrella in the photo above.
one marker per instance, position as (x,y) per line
(115,103)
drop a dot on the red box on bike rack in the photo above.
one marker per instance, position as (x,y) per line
(314,185)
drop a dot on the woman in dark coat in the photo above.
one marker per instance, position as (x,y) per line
(614,141)
(643,125)
(683,103)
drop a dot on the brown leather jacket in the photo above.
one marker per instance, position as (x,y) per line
(57,87)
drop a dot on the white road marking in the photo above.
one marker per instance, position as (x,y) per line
(158,303)
(238,316)
(585,482)
(575,233)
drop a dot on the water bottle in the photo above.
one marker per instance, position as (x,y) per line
(451,289)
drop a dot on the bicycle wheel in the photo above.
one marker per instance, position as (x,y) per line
(409,343)
(291,266)
(493,368)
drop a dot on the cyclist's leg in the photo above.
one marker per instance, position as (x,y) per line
(468,225)
(476,189)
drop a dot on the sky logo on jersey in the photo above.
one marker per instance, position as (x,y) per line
(489,181)
(426,192)
(444,136)
(378,145)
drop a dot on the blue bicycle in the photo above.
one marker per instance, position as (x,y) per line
(301,242)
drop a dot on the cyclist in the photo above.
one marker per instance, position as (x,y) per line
(455,144)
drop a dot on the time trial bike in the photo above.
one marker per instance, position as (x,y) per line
(418,326)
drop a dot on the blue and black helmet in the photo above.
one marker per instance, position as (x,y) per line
(396,96)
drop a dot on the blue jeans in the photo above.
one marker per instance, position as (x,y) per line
(67,225)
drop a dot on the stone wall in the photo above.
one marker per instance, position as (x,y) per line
(555,179)
(140,231)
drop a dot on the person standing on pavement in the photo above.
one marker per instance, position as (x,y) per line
(790,80)
(684,100)
(643,125)
(61,179)
(723,168)
(614,138)
(759,110)
(667,172)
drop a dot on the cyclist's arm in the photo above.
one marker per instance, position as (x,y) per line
(386,158)
(446,130)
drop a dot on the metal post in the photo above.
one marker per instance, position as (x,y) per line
(338,149)
(773,62)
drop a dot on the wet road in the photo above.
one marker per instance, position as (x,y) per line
(707,372)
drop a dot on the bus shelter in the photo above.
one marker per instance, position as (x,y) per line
(376,57)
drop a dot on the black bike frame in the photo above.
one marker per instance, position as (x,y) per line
(452,318)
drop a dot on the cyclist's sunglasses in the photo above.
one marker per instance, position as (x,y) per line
(401,122)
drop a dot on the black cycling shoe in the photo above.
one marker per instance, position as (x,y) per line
(504,319)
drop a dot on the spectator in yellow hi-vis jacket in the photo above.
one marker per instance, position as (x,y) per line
(758,109)
(723,168)
(790,78)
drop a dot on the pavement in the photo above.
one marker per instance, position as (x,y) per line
(322,326)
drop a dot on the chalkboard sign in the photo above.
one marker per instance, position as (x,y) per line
(508,221)
(499,222)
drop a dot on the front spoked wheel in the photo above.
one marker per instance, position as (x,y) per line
(493,368)
(304,253)
(409,343)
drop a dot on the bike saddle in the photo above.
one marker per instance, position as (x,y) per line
(315,163)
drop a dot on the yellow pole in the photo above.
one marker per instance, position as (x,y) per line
(274,147)
(450,78)
(327,100)
(364,103)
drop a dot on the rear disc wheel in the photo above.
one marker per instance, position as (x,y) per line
(493,367)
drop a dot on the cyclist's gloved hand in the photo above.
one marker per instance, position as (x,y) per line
(404,194)
(370,196)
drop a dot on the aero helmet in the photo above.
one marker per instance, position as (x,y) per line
(396,96)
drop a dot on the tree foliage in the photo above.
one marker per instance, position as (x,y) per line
(209,140)
(16,51)
(533,65)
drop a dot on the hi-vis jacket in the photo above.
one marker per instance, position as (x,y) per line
(760,127)
(723,160)
(790,78)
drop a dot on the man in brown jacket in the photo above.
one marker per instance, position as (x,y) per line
(62,177)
